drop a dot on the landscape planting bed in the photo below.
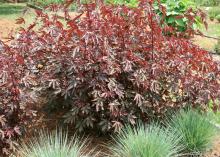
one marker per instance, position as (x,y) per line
(101,74)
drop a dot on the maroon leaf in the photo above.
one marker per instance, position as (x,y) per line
(20,20)
(20,59)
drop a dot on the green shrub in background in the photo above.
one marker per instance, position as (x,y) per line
(207,2)
(56,144)
(218,17)
(151,141)
(213,12)
(212,16)
(196,130)
(176,8)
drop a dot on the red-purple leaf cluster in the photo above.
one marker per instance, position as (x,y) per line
(14,114)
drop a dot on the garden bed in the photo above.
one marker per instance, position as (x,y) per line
(106,85)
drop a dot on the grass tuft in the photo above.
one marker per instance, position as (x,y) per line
(151,141)
(196,130)
(54,144)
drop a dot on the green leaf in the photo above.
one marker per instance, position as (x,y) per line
(171,20)
(180,22)
(172,13)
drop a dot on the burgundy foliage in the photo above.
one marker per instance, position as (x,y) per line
(14,113)
(113,65)
(108,65)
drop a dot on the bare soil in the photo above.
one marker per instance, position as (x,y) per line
(215,151)
(6,26)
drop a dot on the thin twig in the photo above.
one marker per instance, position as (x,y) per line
(34,7)
(202,35)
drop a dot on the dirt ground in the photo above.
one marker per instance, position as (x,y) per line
(6,26)
(215,151)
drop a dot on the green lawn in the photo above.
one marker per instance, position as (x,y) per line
(9,10)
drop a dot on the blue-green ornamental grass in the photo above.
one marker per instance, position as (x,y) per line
(56,144)
(151,141)
(196,130)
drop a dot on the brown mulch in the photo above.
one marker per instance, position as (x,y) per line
(215,151)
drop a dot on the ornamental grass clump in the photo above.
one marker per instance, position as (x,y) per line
(56,144)
(196,130)
(150,141)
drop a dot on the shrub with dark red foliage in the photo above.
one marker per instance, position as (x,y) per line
(112,65)
(14,113)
